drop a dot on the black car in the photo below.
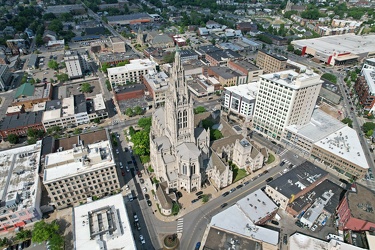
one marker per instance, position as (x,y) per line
(223,205)
(195,200)
(200,197)
(232,190)
(282,163)
(246,182)
(147,197)
(265,172)
(130,162)
(239,186)
(225,194)
(269,179)
(179,194)
(149,203)
(299,224)
(275,222)
(141,180)
(199,193)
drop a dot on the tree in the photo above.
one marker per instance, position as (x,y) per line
(23,235)
(86,87)
(216,134)
(369,133)
(205,198)
(53,65)
(129,112)
(13,138)
(298,52)
(56,26)
(199,109)
(105,66)
(145,123)
(265,39)
(367,126)
(330,77)
(141,142)
(31,132)
(108,84)
(62,77)
(290,48)
(38,80)
(44,231)
(96,120)
(122,63)
(4,242)
(138,110)
(77,131)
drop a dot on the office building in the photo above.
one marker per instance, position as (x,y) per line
(5,77)
(118,45)
(226,76)
(20,187)
(369,64)
(18,124)
(76,64)
(365,88)
(130,73)
(82,167)
(103,222)
(283,99)
(250,70)
(270,62)
(157,85)
(240,100)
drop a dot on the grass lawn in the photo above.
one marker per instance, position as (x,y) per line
(238,174)
(271,158)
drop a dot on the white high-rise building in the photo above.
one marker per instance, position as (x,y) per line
(285,98)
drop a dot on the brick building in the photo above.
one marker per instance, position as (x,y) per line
(226,76)
(356,210)
(28,94)
(250,70)
(221,57)
(129,92)
(270,63)
(365,90)
(19,123)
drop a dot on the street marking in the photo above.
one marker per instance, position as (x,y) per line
(283,152)
(180,225)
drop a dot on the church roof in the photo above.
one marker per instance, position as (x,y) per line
(165,201)
(200,117)
(215,161)
(159,116)
(200,133)
(225,141)
(188,150)
(162,142)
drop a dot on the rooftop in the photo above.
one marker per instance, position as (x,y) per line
(225,72)
(129,88)
(345,144)
(136,64)
(19,179)
(99,102)
(369,75)
(246,65)
(21,120)
(80,159)
(128,17)
(58,9)
(234,220)
(248,91)
(27,92)
(222,240)
(104,222)
(320,126)
(157,81)
(256,205)
(222,55)
(115,39)
(294,80)
(361,201)
(278,57)
(297,179)
(115,57)
(305,242)
(339,44)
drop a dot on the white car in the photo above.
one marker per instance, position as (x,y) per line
(117,152)
(144,189)
(127,168)
(142,239)
(127,187)
(314,227)
(121,166)
(135,217)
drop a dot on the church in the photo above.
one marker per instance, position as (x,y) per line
(179,152)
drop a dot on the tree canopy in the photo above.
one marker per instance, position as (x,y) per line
(367,126)
(53,65)
(48,231)
(13,138)
(141,142)
(330,77)
(86,87)
(199,109)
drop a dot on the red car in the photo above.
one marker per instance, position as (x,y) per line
(139,174)
(123,173)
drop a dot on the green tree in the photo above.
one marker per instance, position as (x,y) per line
(205,198)
(13,138)
(367,126)
(44,231)
(4,242)
(138,110)
(56,26)
(330,77)
(199,109)
(53,130)
(86,87)
(62,77)
(96,120)
(77,131)
(216,134)
(145,123)
(141,142)
(290,48)
(23,235)
(105,67)
(31,132)
(53,65)
(265,39)
(175,208)
(298,52)
(369,133)
(108,84)
(131,131)
(129,112)
(123,63)
(38,80)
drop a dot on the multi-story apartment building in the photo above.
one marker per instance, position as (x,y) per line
(5,77)
(20,187)
(82,167)
(221,57)
(369,64)
(283,99)
(118,45)
(270,62)
(130,73)
(187,55)
(157,85)
(240,100)
(365,88)
(76,64)
(250,70)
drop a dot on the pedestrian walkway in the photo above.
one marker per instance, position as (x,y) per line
(180,225)
(283,152)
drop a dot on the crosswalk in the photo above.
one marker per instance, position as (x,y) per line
(283,152)
(180,225)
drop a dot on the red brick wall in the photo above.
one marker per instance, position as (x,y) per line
(129,95)
(21,130)
(212,61)
(235,66)
(150,90)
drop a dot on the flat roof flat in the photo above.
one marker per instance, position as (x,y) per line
(297,179)
(136,64)
(306,242)
(103,222)
(294,80)
(220,240)
(248,91)
(369,75)
(235,221)
(321,125)
(340,44)
(361,201)
(345,144)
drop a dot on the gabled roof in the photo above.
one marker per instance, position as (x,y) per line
(26,89)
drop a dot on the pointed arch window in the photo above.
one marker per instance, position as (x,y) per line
(179,117)
(185,119)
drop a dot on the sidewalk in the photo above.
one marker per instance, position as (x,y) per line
(186,198)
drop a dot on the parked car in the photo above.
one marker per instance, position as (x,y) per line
(314,227)
(224,205)
(232,190)
(195,200)
(144,189)
(246,182)
(135,217)
(269,179)
(285,239)
(197,246)
(149,203)
(239,186)
(199,193)
(225,194)
(282,163)
(141,181)
(137,226)
(142,239)
(121,166)
(275,222)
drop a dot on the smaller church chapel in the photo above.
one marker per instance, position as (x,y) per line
(182,155)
